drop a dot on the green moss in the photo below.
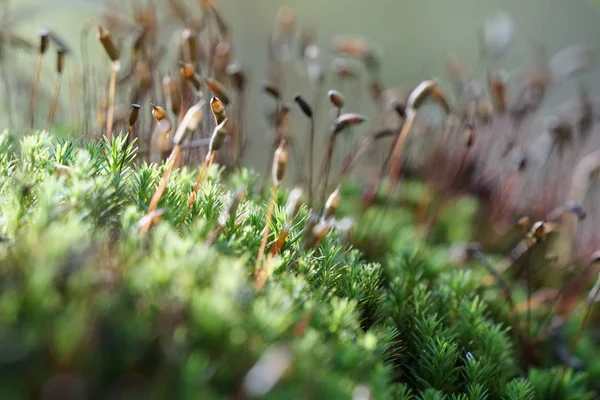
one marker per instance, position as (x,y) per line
(90,303)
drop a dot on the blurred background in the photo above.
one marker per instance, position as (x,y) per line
(411,42)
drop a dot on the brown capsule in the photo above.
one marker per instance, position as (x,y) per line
(158,112)
(109,46)
(320,231)
(524,223)
(218,137)
(218,109)
(133,114)
(188,36)
(189,75)
(293,204)
(60,60)
(304,106)
(280,161)
(271,90)
(345,121)
(190,122)
(352,46)
(237,75)
(539,230)
(336,98)
(44,40)
(400,108)
(218,89)
(424,90)
(332,203)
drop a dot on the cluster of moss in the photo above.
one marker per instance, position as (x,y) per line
(89,304)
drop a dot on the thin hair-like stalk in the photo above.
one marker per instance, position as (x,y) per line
(111,99)
(190,123)
(60,54)
(216,141)
(43,46)
(280,160)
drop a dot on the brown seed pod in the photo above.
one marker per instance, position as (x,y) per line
(271,90)
(280,160)
(539,230)
(134,113)
(109,46)
(353,46)
(345,121)
(188,37)
(320,231)
(44,40)
(218,109)
(293,204)
(399,107)
(304,106)
(218,89)
(336,98)
(60,60)
(187,72)
(424,90)
(332,203)
(218,136)
(158,112)
(190,122)
(524,223)
(237,75)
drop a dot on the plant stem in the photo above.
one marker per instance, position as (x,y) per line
(173,159)
(263,243)
(54,104)
(205,166)
(34,87)
(111,99)
(395,162)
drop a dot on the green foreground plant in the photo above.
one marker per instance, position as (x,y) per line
(90,304)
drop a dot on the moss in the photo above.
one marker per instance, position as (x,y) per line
(90,304)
